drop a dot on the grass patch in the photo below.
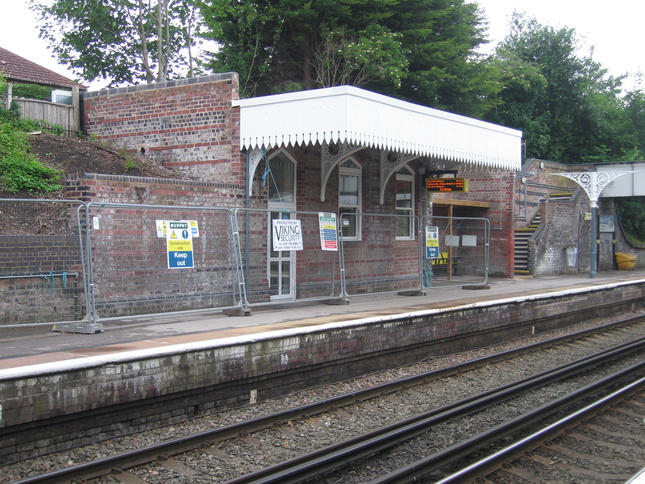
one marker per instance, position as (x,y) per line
(19,169)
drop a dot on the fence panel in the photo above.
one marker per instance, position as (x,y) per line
(376,261)
(52,113)
(136,270)
(463,244)
(41,264)
(287,275)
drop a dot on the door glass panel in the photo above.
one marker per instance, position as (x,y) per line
(281,180)
(286,277)
(274,276)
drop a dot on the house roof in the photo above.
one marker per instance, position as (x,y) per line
(347,114)
(16,68)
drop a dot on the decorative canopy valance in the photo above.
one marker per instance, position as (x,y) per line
(357,117)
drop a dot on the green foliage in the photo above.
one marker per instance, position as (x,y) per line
(32,91)
(569,109)
(279,43)
(11,115)
(374,54)
(421,50)
(634,127)
(130,165)
(632,217)
(123,41)
(441,38)
(20,170)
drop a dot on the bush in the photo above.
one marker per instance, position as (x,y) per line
(11,115)
(20,170)
(32,91)
(632,217)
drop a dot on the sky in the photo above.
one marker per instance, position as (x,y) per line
(613,29)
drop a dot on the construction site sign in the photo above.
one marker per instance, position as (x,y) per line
(179,243)
(432,242)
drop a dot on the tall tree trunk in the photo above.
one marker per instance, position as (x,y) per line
(306,73)
(160,35)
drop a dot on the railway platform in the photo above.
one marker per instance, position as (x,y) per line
(40,345)
(141,373)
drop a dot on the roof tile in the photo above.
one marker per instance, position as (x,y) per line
(16,68)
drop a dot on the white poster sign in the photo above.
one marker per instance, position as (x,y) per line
(287,234)
(328,231)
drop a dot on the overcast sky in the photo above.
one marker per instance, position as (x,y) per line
(613,28)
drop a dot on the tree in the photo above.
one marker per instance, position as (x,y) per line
(568,107)
(421,50)
(284,45)
(635,123)
(441,38)
(123,41)
(372,55)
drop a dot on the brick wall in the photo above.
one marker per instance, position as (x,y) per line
(41,275)
(187,124)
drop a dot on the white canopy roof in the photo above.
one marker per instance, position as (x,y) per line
(352,115)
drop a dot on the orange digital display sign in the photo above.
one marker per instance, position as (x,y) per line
(447,184)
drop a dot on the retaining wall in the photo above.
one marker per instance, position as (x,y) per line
(52,407)
(188,124)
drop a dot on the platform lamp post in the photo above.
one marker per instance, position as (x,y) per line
(594,182)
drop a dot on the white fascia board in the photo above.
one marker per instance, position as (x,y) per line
(347,113)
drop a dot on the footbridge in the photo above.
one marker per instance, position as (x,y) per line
(630,185)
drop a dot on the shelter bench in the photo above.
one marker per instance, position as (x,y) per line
(440,264)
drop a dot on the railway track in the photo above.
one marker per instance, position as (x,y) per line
(554,453)
(319,463)
(180,456)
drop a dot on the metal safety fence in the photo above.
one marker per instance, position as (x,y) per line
(284,258)
(380,253)
(88,263)
(41,261)
(160,258)
(457,251)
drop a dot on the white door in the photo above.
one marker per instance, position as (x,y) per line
(281,264)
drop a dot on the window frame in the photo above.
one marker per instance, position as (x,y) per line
(405,174)
(357,171)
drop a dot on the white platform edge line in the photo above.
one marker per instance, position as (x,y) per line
(75,364)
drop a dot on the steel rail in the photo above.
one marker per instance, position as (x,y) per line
(175,446)
(421,468)
(334,456)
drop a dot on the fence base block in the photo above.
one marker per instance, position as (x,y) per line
(412,292)
(84,328)
(237,312)
(476,287)
(336,301)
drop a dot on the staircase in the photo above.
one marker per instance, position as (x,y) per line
(522,236)
(561,196)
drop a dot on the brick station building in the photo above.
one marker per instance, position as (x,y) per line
(362,156)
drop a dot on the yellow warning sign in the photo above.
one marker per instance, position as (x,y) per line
(179,243)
